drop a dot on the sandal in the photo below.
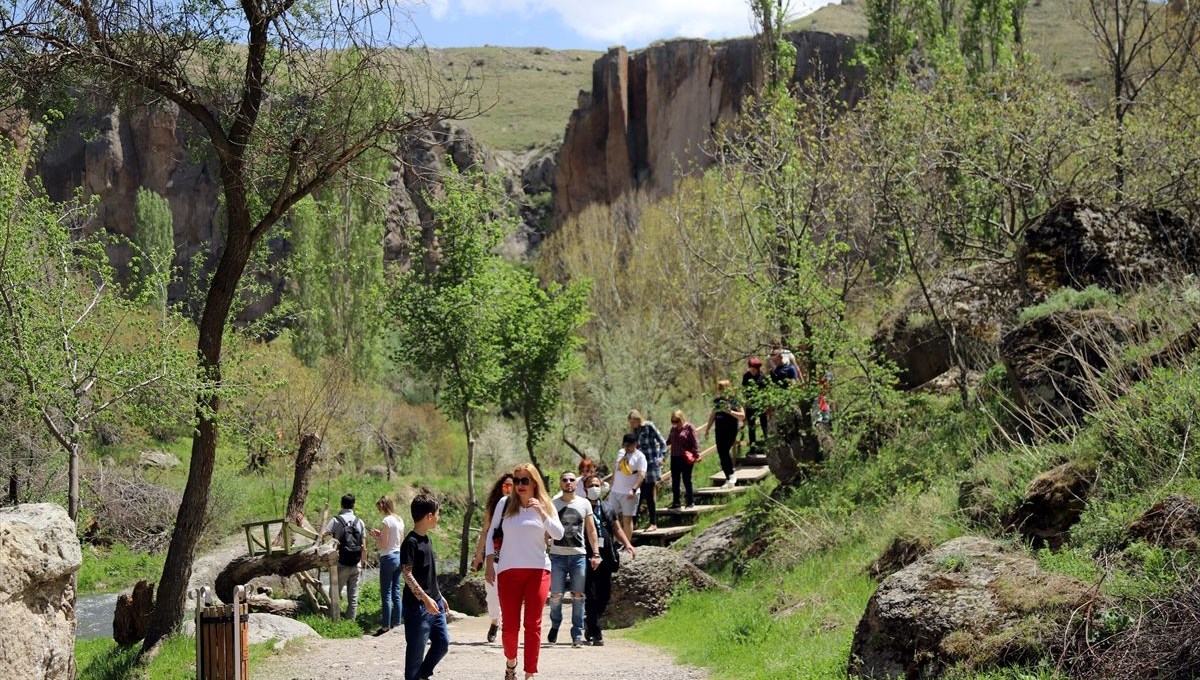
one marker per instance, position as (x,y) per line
(652,528)
(510,672)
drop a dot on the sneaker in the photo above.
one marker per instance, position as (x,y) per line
(381,630)
(673,506)
(729,483)
(552,636)
(597,641)
(576,643)
(492,630)
(689,506)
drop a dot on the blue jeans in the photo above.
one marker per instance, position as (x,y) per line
(389,588)
(421,627)
(562,566)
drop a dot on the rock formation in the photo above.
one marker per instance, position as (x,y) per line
(643,585)
(966,602)
(649,113)
(39,555)
(1173,522)
(1053,504)
(717,545)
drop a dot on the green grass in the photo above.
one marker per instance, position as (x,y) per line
(774,626)
(109,570)
(527,93)
(102,659)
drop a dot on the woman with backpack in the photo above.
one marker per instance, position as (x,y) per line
(652,444)
(685,453)
(501,489)
(517,562)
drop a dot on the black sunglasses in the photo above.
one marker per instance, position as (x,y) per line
(522,481)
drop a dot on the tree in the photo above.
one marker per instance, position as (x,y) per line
(78,349)
(154,239)
(286,95)
(449,309)
(538,341)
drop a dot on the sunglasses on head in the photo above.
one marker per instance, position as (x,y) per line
(522,481)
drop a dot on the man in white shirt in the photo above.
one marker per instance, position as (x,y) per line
(570,557)
(627,481)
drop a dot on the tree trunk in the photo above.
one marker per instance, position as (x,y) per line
(193,507)
(533,456)
(310,445)
(242,569)
(14,482)
(261,604)
(469,513)
(73,479)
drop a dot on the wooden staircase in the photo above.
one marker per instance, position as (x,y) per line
(673,524)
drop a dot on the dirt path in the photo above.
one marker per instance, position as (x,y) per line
(470,657)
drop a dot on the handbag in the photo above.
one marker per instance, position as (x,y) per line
(498,533)
(691,457)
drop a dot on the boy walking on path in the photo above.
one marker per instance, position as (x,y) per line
(349,531)
(570,557)
(423,606)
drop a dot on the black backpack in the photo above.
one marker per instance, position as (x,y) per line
(350,544)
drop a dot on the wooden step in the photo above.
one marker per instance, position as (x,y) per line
(690,512)
(711,491)
(661,535)
(750,461)
(743,475)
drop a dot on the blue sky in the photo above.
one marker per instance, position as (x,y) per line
(582,24)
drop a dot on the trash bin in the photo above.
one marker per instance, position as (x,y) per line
(222,638)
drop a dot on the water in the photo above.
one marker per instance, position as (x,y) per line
(94,615)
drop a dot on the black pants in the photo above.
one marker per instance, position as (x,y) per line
(598,591)
(680,470)
(755,417)
(648,493)
(726,436)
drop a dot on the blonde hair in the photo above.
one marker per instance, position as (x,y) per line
(539,491)
(723,385)
(385,505)
(635,414)
(678,415)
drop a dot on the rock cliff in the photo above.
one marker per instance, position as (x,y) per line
(39,555)
(649,113)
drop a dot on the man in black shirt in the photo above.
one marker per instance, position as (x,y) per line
(598,588)
(423,606)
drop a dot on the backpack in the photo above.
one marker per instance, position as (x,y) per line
(609,551)
(350,545)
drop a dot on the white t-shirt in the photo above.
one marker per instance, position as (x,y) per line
(572,515)
(524,545)
(393,534)
(624,482)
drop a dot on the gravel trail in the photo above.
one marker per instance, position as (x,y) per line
(471,658)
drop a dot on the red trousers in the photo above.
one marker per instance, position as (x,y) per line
(527,587)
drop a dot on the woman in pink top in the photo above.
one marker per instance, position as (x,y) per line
(520,566)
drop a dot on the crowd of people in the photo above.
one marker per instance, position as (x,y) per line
(534,547)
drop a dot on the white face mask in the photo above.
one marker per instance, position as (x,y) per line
(593,493)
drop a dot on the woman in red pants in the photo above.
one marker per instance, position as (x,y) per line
(517,562)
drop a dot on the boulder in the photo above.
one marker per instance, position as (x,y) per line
(157,459)
(468,596)
(967,603)
(1078,245)
(376,471)
(1052,505)
(901,552)
(1173,522)
(643,585)
(39,555)
(1054,365)
(717,545)
(264,627)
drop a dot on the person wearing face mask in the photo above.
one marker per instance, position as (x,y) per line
(519,566)
(501,489)
(609,534)
(570,557)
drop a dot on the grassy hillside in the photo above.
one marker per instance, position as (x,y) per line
(1052,32)
(527,93)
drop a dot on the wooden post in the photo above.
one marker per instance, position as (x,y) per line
(335,601)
